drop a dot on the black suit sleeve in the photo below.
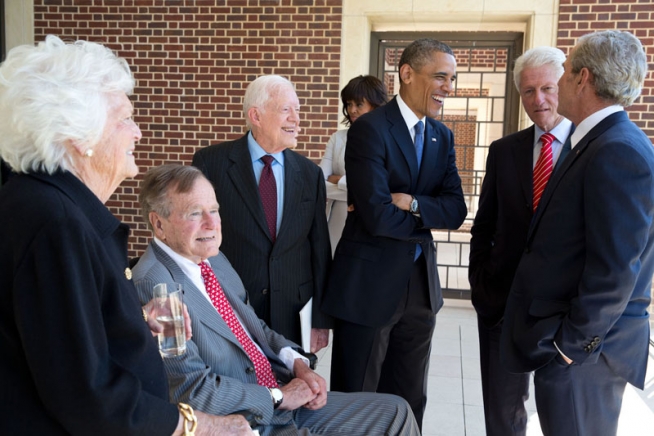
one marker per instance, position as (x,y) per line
(374,173)
(483,230)
(321,253)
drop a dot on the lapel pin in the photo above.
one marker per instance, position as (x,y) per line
(433,139)
(128,273)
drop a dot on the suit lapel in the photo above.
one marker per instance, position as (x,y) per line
(242,176)
(570,159)
(292,193)
(429,157)
(523,153)
(565,150)
(246,315)
(400,133)
(203,309)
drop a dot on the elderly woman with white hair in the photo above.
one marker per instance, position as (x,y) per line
(78,357)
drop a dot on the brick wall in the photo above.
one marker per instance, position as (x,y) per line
(578,17)
(192,60)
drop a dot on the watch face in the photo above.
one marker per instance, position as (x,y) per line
(277,395)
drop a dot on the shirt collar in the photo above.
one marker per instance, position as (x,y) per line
(410,118)
(256,152)
(188,267)
(591,121)
(560,131)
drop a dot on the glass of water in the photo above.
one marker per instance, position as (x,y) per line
(169,312)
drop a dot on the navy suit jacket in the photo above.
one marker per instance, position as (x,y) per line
(584,279)
(295,267)
(499,233)
(375,255)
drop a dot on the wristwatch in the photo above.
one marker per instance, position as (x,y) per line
(277,397)
(414,208)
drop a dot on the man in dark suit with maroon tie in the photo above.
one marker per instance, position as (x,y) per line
(283,255)
(508,198)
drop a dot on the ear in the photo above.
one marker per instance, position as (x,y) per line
(157,225)
(584,77)
(255,116)
(406,73)
(76,146)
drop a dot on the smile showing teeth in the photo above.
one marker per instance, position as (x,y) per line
(288,129)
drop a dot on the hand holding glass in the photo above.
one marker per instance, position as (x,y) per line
(169,312)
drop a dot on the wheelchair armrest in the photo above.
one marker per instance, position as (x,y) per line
(313,359)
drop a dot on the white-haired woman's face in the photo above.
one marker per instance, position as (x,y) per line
(113,156)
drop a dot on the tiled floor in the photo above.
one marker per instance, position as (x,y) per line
(454,402)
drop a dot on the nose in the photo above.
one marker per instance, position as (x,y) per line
(539,97)
(137,133)
(294,115)
(448,86)
(211,221)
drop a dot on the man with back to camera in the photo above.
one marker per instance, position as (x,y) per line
(577,309)
(509,195)
(275,228)
(384,290)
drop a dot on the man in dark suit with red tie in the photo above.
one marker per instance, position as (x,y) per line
(577,310)
(274,224)
(515,170)
(402,182)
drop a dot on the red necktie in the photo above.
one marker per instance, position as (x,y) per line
(268,193)
(543,168)
(262,368)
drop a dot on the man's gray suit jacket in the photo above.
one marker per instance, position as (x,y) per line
(216,376)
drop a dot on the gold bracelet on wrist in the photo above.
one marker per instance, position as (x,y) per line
(190,421)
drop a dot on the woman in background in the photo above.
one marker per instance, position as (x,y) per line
(361,95)
(77,354)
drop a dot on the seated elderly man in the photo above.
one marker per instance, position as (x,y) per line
(234,361)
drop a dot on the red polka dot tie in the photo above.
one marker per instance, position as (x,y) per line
(268,193)
(543,168)
(262,368)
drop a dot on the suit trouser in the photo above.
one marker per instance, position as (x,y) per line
(353,414)
(393,358)
(575,400)
(504,393)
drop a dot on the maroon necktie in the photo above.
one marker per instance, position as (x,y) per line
(268,193)
(543,168)
(262,368)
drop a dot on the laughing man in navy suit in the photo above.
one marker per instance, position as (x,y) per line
(500,230)
(577,310)
(384,288)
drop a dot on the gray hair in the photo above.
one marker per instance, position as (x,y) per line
(617,62)
(54,92)
(258,93)
(161,181)
(419,52)
(539,57)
